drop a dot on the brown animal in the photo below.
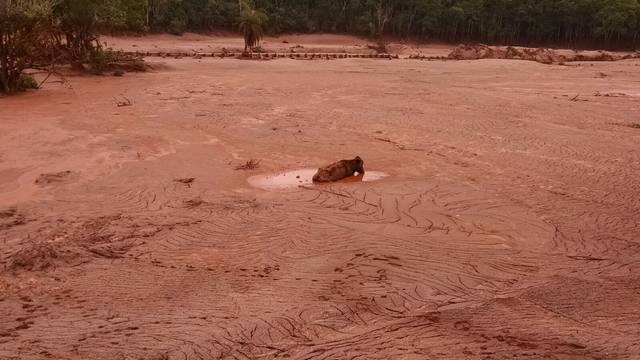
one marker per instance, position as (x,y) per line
(339,170)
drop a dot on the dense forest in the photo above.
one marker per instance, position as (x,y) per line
(603,23)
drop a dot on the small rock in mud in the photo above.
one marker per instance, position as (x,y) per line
(49,178)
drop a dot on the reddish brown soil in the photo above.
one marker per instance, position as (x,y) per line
(507,227)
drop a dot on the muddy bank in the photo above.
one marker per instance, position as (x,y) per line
(541,55)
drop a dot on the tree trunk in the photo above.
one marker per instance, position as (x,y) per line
(4,63)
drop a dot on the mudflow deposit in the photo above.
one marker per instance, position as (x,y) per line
(170,215)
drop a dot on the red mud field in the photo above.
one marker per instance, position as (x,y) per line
(506,226)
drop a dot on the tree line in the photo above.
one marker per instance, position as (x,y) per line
(38,32)
(598,23)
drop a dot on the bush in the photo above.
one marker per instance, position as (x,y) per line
(101,60)
(26,82)
(25,29)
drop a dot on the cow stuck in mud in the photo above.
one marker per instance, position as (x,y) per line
(339,170)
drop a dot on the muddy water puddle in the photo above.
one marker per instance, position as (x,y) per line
(304,177)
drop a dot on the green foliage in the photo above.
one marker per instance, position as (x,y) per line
(177,26)
(78,22)
(562,22)
(38,33)
(26,82)
(25,26)
(121,15)
(101,60)
(251,27)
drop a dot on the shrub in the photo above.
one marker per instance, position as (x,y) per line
(26,82)
(101,60)
(25,29)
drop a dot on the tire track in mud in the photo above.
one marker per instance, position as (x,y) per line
(201,262)
(601,202)
(403,224)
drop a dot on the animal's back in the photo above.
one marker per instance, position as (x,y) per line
(339,170)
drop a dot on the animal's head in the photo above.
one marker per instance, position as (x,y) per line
(358,165)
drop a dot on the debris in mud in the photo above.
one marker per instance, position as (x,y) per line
(10,218)
(249,165)
(586,258)
(186,181)
(7,213)
(630,125)
(339,170)
(612,94)
(541,55)
(380,47)
(125,102)
(16,221)
(193,203)
(37,256)
(396,144)
(74,243)
(387,140)
(481,51)
(49,178)
(576,98)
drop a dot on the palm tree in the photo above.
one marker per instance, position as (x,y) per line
(251,27)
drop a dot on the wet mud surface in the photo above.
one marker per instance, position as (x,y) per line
(507,226)
(304,177)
